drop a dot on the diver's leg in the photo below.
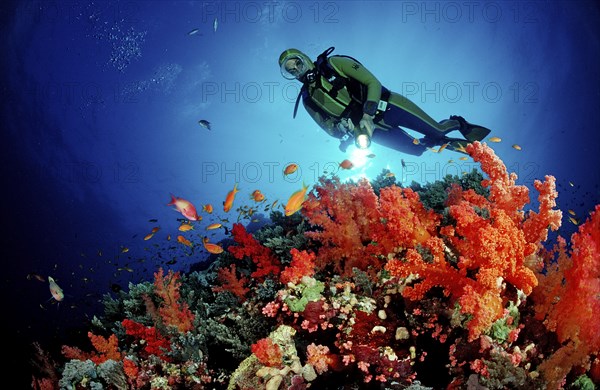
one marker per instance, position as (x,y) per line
(399,140)
(402,112)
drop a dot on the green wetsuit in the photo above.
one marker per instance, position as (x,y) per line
(362,86)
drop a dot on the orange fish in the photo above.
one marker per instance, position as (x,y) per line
(295,201)
(257,196)
(212,248)
(346,164)
(495,139)
(290,169)
(184,241)
(184,207)
(443,147)
(517,147)
(229,199)
(213,226)
(154,230)
(185,227)
(148,236)
(208,208)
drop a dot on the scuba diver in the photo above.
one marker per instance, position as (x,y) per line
(349,103)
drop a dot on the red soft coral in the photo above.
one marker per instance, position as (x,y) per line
(266,262)
(171,311)
(154,343)
(303,264)
(267,352)
(230,282)
(574,316)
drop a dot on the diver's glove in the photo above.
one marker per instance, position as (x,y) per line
(366,124)
(346,125)
(363,138)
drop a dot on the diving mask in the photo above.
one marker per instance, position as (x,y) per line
(293,67)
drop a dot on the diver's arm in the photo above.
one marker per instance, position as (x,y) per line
(349,68)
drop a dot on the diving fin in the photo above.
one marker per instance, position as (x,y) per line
(470,131)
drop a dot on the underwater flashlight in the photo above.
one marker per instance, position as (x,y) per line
(363,141)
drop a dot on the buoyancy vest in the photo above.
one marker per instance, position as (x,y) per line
(328,83)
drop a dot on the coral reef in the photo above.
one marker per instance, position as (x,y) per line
(372,285)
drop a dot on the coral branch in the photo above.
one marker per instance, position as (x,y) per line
(170,310)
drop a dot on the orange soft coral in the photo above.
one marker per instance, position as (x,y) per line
(106,349)
(171,311)
(230,282)
(491,237)
(574,316)
(346,215)
(319,357)
(406,222)
(503,192)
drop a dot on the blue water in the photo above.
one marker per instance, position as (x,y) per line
(101,102)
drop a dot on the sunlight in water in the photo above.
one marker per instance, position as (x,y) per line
(359,157)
